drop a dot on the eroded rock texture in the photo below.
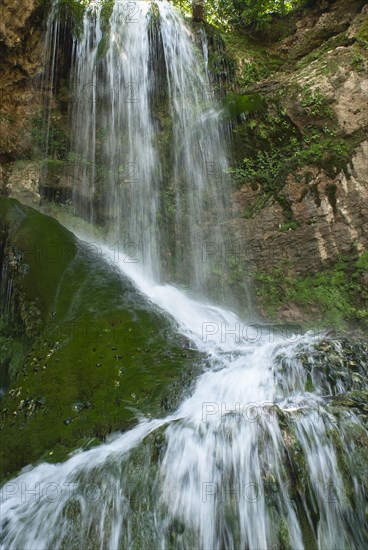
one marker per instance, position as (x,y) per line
(21,65)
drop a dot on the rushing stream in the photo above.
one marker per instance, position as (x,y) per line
(253,458)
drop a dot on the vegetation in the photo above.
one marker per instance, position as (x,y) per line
(338,294)
(230,14)
(89,359)
(274,146)
(363,35)
(270,168)
(225,14)
(12,347)
(72,12)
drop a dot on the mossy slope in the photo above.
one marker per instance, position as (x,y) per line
(98,354)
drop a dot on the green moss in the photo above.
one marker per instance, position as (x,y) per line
(106,13)
(327,45)
(358,62)
(103,356)
(12,348)
(336,293)
(252,60)
(362,263)
(238,104)
(316,104)
(48,246)
(103,46)
(72,11)
(289,226)
(362,38)
(154,21)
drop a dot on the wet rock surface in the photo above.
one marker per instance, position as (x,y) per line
(84,311)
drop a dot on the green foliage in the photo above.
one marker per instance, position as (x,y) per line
(73,11)
(315,104)
(362,263)
(256,14)
(329,153)
(270,168)
(363,35)
(238,104)
(249,61)
(289,225)
(341,39)
(358,62)
(280,150)
(106,12)
(255,71)
(266,168)
(337,293)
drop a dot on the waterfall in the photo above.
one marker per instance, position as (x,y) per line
(256,457)
(150,150)
(50,64)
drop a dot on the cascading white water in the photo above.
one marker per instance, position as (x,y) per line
(48,77)
(249,460)
(141,116)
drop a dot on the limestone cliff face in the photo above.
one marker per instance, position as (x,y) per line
(330,215)
(308,215)
(21,62)
(14,18)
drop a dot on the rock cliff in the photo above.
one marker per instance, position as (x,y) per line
(301,151)
(21,65)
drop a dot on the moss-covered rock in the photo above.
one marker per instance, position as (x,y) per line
(335,296)
(98,355)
